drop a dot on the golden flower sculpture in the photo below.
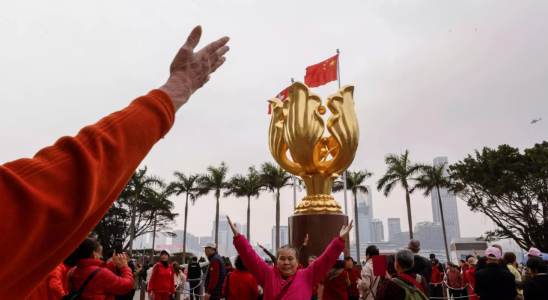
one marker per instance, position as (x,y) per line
(297,125)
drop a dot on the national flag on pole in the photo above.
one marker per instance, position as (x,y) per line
(322,73)
(282,96)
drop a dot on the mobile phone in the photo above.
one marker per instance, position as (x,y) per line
(118,246)
(390,261)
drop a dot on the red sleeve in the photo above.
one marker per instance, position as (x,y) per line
(151,279)
(118,285)
(68,187)
(225,288)
(111,267)
(254,287)
(214,270)
(317,270)
(55,283)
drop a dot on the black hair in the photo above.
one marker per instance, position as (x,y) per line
(194,258)
(339,264)
(537,264)
(148,261)
(240,264)
(468,257)
(432,256)
(87,247)
(372,251)
(110,253)
(70,261)
(349,258)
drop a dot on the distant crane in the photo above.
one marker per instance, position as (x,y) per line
(536,120)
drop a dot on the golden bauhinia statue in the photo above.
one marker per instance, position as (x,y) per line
(297,125)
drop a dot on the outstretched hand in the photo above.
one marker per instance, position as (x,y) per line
(233,226)
(306,239)
(260,246)
(345,230)
(190,70)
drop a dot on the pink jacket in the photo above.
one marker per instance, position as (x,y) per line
(270,279)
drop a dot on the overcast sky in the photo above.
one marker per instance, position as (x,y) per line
(440,78)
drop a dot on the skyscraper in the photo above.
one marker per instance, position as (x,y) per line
(365,216)
(225,246)
(377,231)
(284,237)
(394,227)
(449,201)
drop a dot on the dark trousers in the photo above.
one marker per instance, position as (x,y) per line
(436,291)
(314,297)
(194,289)
(454,293)
(353,298)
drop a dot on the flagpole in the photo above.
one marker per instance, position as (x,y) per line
(344,174)
(294,177)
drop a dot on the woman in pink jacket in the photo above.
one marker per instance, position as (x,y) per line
(284,279)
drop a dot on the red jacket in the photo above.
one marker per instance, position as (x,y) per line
(353,276)
(335,289)
(454,279)
(242,286)
(436,276)
(470,277)
(103,284)
(69,187)
(56,286)
(162,279)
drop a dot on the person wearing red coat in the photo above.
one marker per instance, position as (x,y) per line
(105,284)
(470,277)
(162,281)
(353,276)
(239,284)
(436,281)
(336,282)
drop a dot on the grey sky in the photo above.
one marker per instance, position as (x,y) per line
(440,78)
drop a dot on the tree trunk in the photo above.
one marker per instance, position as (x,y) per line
(277,221)
(408,202)
(184,238)
(248,218)
(357,227)
(153,240)
(217,223)
(132,230)
(443,226)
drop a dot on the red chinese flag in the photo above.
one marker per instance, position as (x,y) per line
(282,96)
(322,73)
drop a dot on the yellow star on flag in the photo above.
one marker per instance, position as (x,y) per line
(332,63)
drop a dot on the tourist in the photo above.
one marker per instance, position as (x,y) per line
(493,281)
(215,277)
(194,272)
(512,264)
(103,280)
(101,158)
(336,282)
(162,282)
(239,284)
(422,265)
(470,277)
(396,287)
(353,275)
(312,259)
(145,270)
(284,279)
(436,281)
(526,276)
(538,289)
(368,282)
(131,265)
(455,281)
(463,267)
(439,265)
(273,259)
(137,278)
(179,278)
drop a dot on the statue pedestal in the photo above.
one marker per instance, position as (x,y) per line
(322,228)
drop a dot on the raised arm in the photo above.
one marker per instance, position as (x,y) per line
(272,257)
(252,261)
(318,269)
(68,187)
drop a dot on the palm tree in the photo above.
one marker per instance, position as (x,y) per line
(187,185)
(400,170)
(355,183)
(246,186)
(159,205)
(274,178)
(214,181)
(430,177)
(138,184)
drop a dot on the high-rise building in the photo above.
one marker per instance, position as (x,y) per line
(429,235)
(377,231)
(394,226)
(225,247)
(449,201)
(284,237)
(365,216)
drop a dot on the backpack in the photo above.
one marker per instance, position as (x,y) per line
(411,292)
(75,295)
